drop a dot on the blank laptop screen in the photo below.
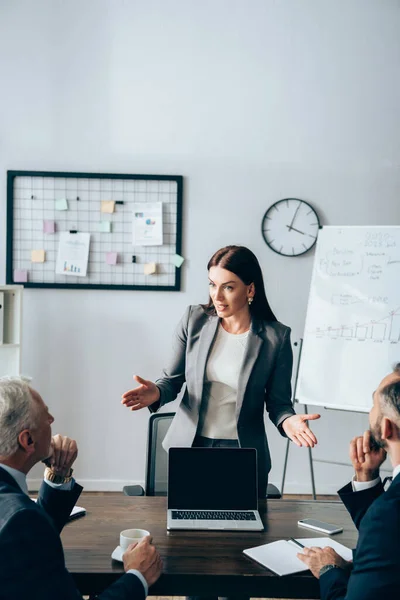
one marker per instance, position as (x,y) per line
(212,478)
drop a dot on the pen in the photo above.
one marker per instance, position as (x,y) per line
(297,543)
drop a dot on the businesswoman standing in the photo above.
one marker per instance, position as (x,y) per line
(236,359)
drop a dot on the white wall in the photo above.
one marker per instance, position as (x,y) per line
(250,100)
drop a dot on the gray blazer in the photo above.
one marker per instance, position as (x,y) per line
(264,381)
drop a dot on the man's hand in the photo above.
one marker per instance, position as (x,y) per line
(63,454)
(316,558)
(144,558)
(366,458)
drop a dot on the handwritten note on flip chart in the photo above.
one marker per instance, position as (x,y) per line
(111,258)
(150,268)
(20,276)
(105,226)
(49,227)
(177,260)
(107,206)
(62,204)
(38,256)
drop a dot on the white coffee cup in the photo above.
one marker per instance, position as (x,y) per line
(131,536)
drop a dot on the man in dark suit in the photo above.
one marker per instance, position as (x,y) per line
(32,563)
(375,572)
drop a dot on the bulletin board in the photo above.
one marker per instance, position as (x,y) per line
(43,205)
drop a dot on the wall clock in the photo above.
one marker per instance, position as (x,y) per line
(290,227)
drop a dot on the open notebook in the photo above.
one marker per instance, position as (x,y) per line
(281,556)
(77,511)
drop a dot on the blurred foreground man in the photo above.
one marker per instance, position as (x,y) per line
(32,563)
(375,571)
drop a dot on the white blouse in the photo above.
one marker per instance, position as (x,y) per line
(218,407)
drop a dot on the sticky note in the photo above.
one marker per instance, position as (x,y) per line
(62,204)
(177,260)
(37,256)
(105,226)
(111,258)
(49,226)
(20,276)
(107,206)
(150,268)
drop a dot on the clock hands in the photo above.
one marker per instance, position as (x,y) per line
(294,229)
(298,231)
(294,216)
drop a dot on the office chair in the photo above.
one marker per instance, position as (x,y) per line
(157,461)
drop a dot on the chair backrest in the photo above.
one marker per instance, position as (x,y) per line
(157,457)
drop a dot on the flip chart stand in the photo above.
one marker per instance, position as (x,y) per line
(288,441)
(312,460)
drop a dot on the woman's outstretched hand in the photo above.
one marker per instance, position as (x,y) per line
(297,430)
(145,394)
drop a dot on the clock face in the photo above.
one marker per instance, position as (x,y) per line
(290,227)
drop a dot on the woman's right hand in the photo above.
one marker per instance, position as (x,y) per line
(145,394)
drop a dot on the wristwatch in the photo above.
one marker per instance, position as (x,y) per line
(49,475)
(326,568)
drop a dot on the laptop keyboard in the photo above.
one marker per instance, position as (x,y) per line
(213,515)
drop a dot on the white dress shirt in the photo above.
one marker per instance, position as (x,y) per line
(20,478)
(359,486)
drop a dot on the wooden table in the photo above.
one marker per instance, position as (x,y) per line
(195,563)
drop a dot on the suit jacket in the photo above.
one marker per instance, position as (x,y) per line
(376,561)
(32,563)
(264,382)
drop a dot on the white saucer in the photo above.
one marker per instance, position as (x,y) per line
(117,554)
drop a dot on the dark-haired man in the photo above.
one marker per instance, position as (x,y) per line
(375,572)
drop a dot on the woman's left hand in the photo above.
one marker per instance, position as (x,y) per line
(297,430)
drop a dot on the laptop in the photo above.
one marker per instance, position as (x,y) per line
(213,488)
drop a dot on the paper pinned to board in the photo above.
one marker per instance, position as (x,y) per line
(111,258)
(62,204)
(73,254)
(38,256)
(107,206)
(177,260)
(49,227)
(147,225)
(150,268)
(105,226)
(20,276)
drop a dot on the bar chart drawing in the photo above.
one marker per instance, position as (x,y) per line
(361,332)
(394,333)
(385,329)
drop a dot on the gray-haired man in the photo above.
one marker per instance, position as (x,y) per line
(32,560)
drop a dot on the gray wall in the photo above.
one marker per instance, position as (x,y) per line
(250,100)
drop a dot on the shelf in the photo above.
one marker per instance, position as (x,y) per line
(10,329)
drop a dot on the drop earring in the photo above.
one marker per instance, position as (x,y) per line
(250,300)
